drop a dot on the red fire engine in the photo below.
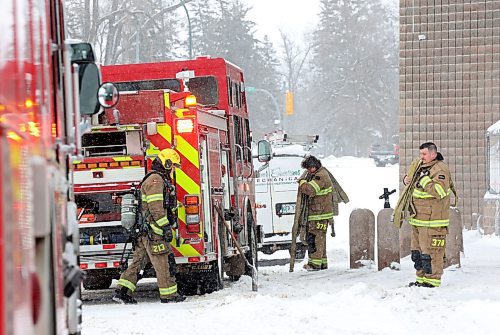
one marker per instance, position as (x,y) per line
(198,108)
(39,125)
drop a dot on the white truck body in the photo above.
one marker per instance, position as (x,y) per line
(276,193)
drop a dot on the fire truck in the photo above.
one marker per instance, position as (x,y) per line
(197,107)
(39,128)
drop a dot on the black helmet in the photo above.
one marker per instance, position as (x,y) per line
(311,162)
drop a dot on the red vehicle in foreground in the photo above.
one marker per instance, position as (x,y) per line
(39,125)
(198,108)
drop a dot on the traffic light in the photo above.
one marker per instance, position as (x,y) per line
(289,103)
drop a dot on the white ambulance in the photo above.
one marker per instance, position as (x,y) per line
(276,184)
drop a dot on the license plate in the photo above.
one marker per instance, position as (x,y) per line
(285,209)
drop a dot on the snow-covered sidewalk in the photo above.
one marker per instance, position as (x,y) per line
(334,301)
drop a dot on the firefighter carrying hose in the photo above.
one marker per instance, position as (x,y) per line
(154,241)
(322,193)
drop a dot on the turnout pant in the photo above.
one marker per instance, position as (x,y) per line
(427,252)
(159,253)
(316,244)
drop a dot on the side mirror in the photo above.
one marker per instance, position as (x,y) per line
(107,95)
(264,151)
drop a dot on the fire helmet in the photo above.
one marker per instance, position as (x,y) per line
(169,157)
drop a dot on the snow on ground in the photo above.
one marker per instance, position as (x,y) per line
(336,301)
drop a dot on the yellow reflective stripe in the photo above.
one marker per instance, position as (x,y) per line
(324,261)
(161,222)
(424,181)
(433,282)
(420,279)
(302,181)
(166,99)
(319,217)
(188,184)
(429,223)
(127,284)
(440,190)
(122,159)
(144,198)
(315,261)
(421,194)
(154,197)
(156,229)
(152,150)
(169,290)
(325,191)
(165,131)
(315,186)
(186,250)
(187,150)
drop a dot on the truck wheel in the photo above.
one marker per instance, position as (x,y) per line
(211,281)
(251,255)
(97,281)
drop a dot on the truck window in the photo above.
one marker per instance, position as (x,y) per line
(248,141)
(229,92)
(205,90)
(238,137)
(148,85)
(98,144)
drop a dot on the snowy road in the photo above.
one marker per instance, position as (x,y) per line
(335,301)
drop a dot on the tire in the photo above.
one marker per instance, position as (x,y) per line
(251,255)
(211,281)
(97,281)
(187,285)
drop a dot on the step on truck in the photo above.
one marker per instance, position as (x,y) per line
(276,185)
(198,108)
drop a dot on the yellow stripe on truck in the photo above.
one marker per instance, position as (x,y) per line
(165,131)
(186,250)
(122,159)
(187,150)
(188,184)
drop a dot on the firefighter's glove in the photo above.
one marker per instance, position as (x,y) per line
(167,233)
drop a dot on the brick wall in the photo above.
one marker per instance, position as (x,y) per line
(450,88)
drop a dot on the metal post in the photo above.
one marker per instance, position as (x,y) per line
(189,28)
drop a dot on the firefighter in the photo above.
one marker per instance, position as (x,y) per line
(317,185)
(156,190)
(430,201)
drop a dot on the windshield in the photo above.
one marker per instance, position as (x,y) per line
(148,85)
(113,143)
(205,90)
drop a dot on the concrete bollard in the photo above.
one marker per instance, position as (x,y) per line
(454,240)
(404,239)
(361,238)
(387,240)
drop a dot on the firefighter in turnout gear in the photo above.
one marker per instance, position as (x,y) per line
(317,185)
(158,214)
(430,202)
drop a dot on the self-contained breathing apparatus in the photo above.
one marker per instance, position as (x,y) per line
(134,222)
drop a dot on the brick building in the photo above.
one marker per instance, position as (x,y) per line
(450,89)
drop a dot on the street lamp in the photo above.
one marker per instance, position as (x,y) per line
(183,3)
(251,89)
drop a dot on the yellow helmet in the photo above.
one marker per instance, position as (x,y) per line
(169,157)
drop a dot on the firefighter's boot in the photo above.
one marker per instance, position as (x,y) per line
(122,296)
(177,298)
